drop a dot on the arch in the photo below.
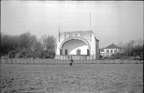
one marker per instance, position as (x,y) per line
(75,38)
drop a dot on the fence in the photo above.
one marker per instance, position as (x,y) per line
(58,61)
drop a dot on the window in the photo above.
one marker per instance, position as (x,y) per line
(78,52)
(60,51)
(115,51)
(107,51)
(111,51)
(88,52)
(66,52)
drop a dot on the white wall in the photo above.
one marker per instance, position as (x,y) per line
(93,45)
(77,41)
(73,45)
(105,50)
(109,54)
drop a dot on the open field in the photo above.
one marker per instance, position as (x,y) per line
(80,78)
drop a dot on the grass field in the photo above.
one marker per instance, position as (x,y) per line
(80,78)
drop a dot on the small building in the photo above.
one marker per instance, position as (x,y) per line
(78,44)
(109,50)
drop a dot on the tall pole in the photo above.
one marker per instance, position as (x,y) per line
(90,26)
(59,28)
(90,20)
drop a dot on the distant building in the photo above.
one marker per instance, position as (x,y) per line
(78,44)
(109,50)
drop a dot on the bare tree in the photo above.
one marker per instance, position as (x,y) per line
(26,40)
(49,43)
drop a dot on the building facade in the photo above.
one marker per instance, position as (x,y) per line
(79,44)
(109,50)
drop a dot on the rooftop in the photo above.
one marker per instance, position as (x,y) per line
(86,31)
(112,46)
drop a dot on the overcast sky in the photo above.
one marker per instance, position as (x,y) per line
(111,21)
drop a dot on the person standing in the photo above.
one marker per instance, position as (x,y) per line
(71,61)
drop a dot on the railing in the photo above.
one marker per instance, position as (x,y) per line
(65,61)
(74,57)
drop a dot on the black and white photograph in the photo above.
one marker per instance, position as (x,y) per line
(71,46)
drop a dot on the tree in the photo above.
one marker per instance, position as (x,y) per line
(26,40)
(49,43)
(37,46)
(133,48)
(8,43)
(16,44)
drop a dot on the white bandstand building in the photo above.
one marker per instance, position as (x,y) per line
(78,44)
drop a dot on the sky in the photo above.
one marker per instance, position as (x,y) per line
(111,21)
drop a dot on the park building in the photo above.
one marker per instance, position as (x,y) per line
(78,44)
(109,50)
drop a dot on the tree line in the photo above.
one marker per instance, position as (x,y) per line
(27,45)
(131,50)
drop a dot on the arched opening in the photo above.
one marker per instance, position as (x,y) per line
(75,47)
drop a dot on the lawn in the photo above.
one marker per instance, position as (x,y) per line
(79,78)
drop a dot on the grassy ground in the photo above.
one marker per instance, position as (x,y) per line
(80,78)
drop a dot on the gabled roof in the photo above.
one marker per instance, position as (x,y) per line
(112,46)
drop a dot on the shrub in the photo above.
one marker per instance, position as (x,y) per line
(11,54)
(18,55)
(38,54)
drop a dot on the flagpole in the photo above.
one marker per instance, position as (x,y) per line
(90,25)
(59,28)
(90,20)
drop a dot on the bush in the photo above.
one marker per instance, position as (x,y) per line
(48,54)
(100,57)
(26,45)
(18,55)
(28,55)
(141,55)
(38,54)
(11,54)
